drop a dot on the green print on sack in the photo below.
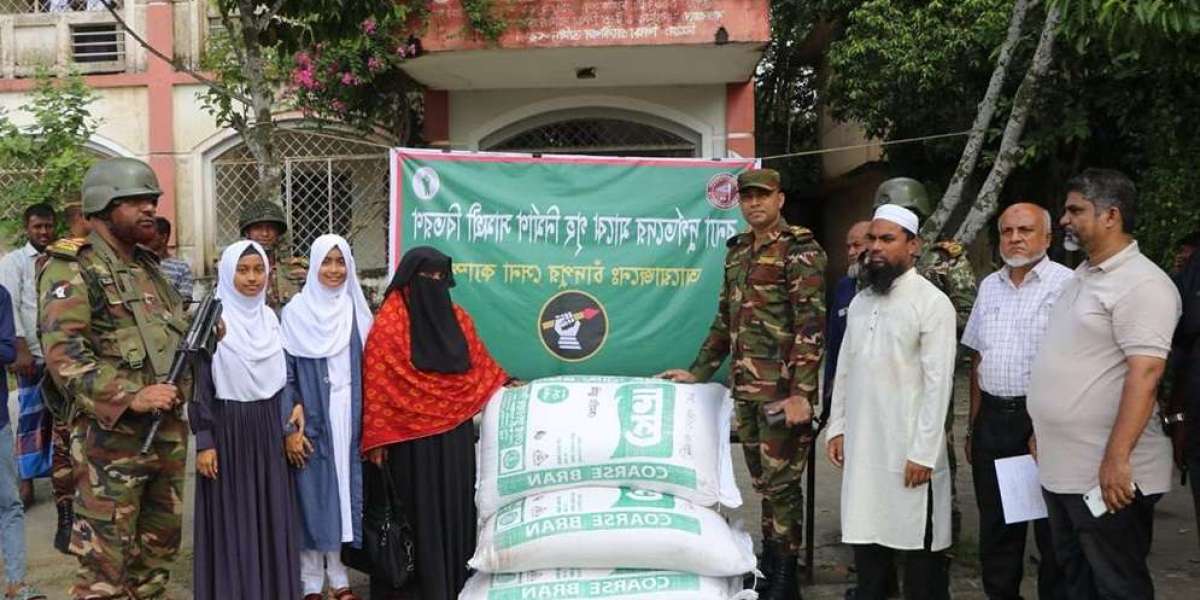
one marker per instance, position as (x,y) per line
(553,394)
(644,499)
(647,413)
(606,587)
(569,476)
(626,520)
(510,433)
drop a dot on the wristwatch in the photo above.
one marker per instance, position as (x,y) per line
(1173,418)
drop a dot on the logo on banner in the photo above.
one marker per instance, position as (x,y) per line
(722,191)
(426,183)
(573,325)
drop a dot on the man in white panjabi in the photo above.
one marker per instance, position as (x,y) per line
(887,418)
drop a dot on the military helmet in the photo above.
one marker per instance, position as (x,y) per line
(906,192)
(116,178)
(262,211)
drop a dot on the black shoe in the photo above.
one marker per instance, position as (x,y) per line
(66,519)
(784,584)
(768,562)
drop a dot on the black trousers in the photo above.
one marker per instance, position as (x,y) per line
(1193,466)
(1103,557)
(926,573)
(1001,430)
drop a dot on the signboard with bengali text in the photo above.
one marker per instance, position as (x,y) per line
(574,264)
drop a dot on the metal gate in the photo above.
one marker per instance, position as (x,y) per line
(330,185)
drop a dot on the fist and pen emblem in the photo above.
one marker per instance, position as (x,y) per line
(573,325)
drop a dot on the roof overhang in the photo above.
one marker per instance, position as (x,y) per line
(611,66)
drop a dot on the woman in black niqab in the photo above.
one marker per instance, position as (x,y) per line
(424,278)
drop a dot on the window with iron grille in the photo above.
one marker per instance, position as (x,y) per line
(97,43)
(330,185)
(606,132)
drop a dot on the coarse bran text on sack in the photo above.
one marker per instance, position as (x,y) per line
(614,584)
(565,432)
(593,527)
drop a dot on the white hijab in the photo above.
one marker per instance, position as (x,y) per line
(249,363)
(317,322)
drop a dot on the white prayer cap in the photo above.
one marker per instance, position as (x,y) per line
(900,216)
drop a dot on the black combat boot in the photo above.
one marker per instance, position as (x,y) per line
(66,518)
(767,565)
(784,583)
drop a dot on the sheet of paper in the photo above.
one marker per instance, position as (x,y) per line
(1020,490)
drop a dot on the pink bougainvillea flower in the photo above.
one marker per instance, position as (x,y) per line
(374,64)
(369,26)
(349,79)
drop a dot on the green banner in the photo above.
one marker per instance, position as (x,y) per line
(572,264)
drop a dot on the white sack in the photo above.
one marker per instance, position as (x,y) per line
(566,432)
(606,528)
(578,584)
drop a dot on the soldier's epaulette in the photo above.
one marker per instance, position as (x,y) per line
(67,247)
(802,234)
(951,248)
(295,261)
(739,239)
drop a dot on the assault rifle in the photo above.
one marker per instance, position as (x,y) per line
(201,337)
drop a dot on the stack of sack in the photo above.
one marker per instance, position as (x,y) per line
(595,487)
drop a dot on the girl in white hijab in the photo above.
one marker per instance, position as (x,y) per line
(324,329)
(237,418)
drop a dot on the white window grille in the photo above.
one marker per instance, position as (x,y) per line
(596,131)
(330,185)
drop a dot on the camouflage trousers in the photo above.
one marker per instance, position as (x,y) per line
(62,476)
(776,456)
(128,510)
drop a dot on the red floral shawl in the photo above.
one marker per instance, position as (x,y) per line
(401,403)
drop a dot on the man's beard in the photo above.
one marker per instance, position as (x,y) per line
(132,232)
(1071,241)
(881,277)
(854,271)
(1016,262)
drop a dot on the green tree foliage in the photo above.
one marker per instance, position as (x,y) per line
(46,160)
(908,68)
(1123,91)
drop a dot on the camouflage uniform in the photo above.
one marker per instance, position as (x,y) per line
(771,319)
(945,265)
(286,280)
(128,506)
(62,476)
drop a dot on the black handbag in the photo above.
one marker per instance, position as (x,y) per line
(387,552)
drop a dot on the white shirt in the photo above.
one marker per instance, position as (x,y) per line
(18,275)
(890,398)
(1007,324)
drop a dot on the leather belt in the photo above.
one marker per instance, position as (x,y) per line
(1009,403)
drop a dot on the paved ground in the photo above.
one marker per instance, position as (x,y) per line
(1175,558)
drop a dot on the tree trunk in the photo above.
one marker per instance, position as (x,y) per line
(259,135)
(983,119)
(1006,159)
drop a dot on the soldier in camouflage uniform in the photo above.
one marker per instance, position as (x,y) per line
(264,222)
(110,323)
(771,321)
(946,266)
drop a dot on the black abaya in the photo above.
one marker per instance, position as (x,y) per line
(435,481)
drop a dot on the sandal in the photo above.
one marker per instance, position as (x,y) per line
(26,592)
(343,594)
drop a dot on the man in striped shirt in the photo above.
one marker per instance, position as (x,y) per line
(1005,331)
(176,270)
